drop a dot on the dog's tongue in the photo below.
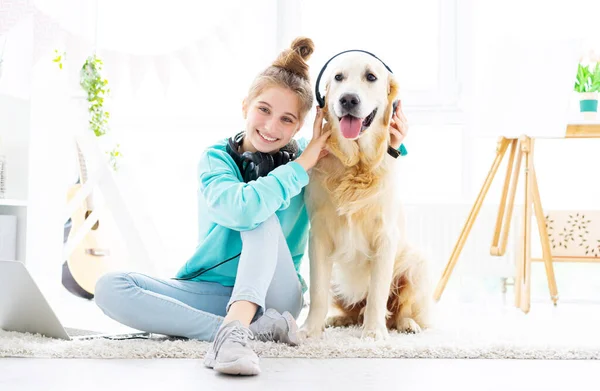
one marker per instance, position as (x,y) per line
(350,126)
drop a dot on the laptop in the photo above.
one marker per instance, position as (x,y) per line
(24,308)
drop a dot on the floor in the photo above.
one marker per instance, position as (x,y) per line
(300,374)
(289,374)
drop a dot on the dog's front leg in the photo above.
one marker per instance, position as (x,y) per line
(320,280)
(379,289)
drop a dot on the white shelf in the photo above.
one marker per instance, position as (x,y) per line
(15,132)
(12,202)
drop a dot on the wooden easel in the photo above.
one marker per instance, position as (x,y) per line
(521,149)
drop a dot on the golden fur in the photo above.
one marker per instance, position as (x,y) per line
(357,224)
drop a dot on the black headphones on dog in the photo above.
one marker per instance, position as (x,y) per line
(253,165)
(321,99)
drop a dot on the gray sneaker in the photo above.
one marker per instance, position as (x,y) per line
(273,326)
(229,353)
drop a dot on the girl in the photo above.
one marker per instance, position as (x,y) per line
(243,280)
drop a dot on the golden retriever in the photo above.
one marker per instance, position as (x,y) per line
(357,244)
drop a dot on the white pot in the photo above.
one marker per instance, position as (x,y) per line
(588,95)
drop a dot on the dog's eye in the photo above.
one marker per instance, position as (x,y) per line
(339,77)
(371,77)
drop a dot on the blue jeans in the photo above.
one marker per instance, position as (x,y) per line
(195,309)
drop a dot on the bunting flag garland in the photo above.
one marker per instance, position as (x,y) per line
(121,67)
(12,11)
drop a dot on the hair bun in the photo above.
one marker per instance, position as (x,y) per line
(294,59)
(304,47)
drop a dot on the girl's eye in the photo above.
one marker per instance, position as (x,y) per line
(264,110)
(371,77)
(289,120)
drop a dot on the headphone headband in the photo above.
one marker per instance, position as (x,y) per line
(321,99)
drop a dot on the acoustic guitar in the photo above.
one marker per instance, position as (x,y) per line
(98,252)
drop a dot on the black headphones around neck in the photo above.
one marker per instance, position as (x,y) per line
(321,99)
(253,165)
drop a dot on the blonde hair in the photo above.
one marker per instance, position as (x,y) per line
(290,71)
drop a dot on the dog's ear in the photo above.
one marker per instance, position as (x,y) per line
(326,100)
(392,94)
(392,88)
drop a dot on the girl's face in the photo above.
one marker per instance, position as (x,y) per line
(272,119)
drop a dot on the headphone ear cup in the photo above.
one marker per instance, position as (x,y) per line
(251,168)
(251,172)
(394,106)
(253,165)
(259,164)
(278,159)
(267,164)
(249,157)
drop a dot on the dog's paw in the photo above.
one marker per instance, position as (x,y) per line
(341,321)
(308,331)
(408,325)
(378,333)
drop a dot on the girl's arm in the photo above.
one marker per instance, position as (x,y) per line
(243,206)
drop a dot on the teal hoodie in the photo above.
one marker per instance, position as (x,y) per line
(227,205)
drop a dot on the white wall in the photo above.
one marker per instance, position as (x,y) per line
(162,135)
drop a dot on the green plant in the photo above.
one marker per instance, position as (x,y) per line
(115,154)
(96,89)
(59,58)
(587,80)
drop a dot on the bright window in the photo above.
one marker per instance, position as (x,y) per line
(415,39)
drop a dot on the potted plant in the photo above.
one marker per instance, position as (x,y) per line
(587,84)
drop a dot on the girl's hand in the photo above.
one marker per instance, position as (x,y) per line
(398,127)
(315,149)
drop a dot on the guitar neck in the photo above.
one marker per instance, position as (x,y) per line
(83,175)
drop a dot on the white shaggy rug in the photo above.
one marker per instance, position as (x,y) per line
(509,334)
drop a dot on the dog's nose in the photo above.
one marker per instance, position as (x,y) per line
(349,101)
